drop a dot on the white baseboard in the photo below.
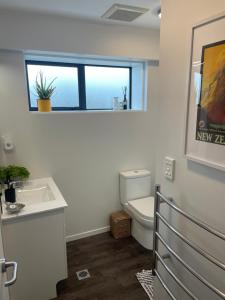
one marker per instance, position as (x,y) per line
(82,235)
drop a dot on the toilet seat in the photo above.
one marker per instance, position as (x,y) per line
(144,207)
(142,210)
(142,214)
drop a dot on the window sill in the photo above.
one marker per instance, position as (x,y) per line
(86,112)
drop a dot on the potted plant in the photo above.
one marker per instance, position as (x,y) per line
(44,92)
(2,181)
(2,175)
(9,175)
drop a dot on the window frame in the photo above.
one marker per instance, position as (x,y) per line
(81,83)
(57,64)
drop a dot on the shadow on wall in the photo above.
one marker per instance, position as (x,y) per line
(214,174)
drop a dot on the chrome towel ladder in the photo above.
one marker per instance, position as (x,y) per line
(158,217)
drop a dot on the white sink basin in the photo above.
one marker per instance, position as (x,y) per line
(34,192)
(38,195)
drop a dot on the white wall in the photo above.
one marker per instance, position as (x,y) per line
(197,188)
(82,151)
(64,34)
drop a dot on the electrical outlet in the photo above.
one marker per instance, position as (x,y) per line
(169,168)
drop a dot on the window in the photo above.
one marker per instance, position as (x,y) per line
(103,84)
(87,84)
(66,95)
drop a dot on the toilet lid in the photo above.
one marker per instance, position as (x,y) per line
(144,207)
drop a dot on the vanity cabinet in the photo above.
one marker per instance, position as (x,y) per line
(37,243)
(35,239)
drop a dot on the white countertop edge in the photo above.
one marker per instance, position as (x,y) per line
(38,208)
(6,218)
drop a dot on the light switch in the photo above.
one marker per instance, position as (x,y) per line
(169,168)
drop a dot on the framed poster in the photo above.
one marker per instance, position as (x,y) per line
(205,124)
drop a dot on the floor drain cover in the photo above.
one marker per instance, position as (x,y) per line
(83,274)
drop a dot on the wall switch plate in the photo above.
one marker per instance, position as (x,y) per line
(169,168)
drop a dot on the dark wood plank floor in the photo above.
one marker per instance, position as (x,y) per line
(112,265)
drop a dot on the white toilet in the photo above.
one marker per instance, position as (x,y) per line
(135,191)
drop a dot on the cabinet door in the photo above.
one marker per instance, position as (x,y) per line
(3,290)
(39,248)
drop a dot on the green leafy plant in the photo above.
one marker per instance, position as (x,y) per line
(43,89)
(13,173)
(16,172)
(8,176)
(2,175)
(2,180)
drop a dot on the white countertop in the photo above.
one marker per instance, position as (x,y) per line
(38,206)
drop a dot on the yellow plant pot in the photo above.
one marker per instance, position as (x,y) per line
(44,105)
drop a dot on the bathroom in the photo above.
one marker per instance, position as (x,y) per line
(84,151)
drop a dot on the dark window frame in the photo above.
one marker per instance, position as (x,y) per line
(81,83)
(58,64)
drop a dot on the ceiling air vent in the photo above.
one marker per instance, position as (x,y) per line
(124,13)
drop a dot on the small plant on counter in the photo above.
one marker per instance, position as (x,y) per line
(2,179)
(10,174)
(2,182)
(13,173)
(2,175)
(44,92)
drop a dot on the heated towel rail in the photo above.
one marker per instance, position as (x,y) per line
(158,217)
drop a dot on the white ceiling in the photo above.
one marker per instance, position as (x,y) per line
(87,9)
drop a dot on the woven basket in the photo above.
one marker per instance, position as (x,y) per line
(120,224)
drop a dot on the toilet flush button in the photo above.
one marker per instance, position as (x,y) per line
(169,168)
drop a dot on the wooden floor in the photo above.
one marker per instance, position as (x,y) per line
(112,265)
